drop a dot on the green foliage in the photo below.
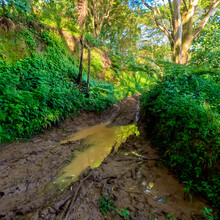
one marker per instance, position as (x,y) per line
(206,47)
(131,76)
(106,204)
(207,213)
(124,213)
(17,7)
(60,14)
(40,90)
(182,112)
(13,46)
(122,33)
(96,63)
(30,41)
(170,216)
(89,38)
(101,95)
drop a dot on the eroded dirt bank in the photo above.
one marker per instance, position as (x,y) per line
(132,176)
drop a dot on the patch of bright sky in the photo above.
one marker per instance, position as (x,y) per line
(148,34)
(159,2)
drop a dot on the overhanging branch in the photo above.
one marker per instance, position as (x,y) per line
(161,27)
(205,19)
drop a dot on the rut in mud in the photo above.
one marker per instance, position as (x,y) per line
(48,177)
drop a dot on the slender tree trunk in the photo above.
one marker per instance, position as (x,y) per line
(79,80)
(89,64)
(93,24)
(83,10)
(177,32)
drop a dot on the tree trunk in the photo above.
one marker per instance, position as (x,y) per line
(83,7)
(172,51)
(187,20)
(98,29)
(177,32)
(79,80)
(185,52)
(89,64)
(97,32)
(181,36)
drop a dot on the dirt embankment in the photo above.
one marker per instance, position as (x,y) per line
(133,177)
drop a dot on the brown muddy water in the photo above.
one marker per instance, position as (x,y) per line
(41,179)
(97,142)
(131,176)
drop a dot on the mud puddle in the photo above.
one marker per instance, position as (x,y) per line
(135,178)
(132,175)
(26,168)
(97,142)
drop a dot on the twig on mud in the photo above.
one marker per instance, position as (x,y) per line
(62,203)
(77,190)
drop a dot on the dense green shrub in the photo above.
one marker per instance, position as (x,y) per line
(40,90)
(183,114)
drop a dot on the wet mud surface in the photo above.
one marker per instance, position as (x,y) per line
(133,176)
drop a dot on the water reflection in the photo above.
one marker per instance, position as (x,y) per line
(98,142)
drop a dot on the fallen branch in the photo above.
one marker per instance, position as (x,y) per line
(77,190)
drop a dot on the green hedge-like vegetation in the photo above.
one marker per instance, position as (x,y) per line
(39,90)
(183,114)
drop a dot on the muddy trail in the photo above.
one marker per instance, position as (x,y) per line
(64,172)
